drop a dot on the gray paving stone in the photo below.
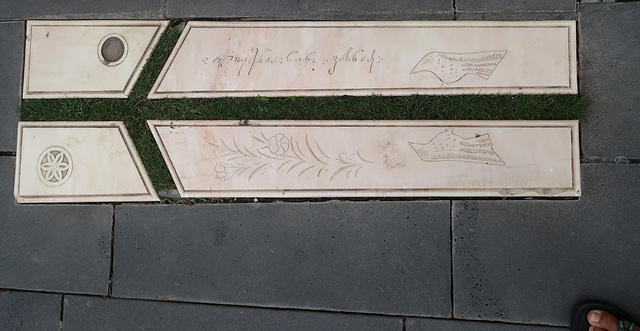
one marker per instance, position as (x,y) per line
(380,9)
(312,9)
(95,313)
(29,311)
(609,57)
(518,16)
(241,9)
(377,257)
(81,9)
(61,248)
(416,324)
(11,59)
(534,261)
(515,5)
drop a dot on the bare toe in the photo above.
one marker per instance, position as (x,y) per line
(601,320)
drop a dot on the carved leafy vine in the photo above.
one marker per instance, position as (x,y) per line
(286,155)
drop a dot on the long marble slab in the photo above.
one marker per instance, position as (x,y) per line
(79,162)
(217,59)
(371,158)
(90,59)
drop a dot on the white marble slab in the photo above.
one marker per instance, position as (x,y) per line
(371,158)
(216,59)
(79,162)
(67,58)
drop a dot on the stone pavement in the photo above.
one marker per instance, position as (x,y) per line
(390,265)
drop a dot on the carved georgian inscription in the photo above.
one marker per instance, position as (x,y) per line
(214,59)
(289,59)
(388,158)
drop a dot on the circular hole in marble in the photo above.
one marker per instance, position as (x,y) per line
(112,49)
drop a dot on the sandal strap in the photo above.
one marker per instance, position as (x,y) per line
(625,326)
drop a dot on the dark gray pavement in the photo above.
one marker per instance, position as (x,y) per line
(95,313)
(58,248)
(609,58)
(520,261)
(312,9)
(429,324)
(81,9)
(515,6)
(29,310)
(11,61)
(388,265)
(385,257)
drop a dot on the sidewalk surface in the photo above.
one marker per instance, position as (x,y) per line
(388,265)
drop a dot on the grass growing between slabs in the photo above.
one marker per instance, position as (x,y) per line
(137,109)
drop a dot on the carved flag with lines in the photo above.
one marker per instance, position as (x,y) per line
(451,67)
(448,146)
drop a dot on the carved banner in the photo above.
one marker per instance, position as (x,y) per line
(215,59)
(366,158)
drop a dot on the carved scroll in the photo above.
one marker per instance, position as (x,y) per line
(365,158)
(216,59)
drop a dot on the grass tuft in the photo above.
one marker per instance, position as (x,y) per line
(137,109)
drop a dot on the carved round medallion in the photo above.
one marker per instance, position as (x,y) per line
(54,166)
(112,49)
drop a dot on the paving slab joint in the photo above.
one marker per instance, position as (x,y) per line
(452,251)
(61,310)
(610,160)
(164,9)
(517,10)
(113,228)
(455,10)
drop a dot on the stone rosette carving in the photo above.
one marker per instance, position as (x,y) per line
(54,166)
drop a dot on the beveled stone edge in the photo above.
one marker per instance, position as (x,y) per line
(574,192)
(152,124)
(161,27)
(573,62)
(152,195)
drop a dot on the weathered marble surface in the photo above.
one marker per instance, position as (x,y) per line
(215,59)
(64,58)
(79,162)
(371,158)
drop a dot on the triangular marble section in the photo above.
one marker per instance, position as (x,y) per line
(79,162)
(218,59)
(87,59)
(371,158)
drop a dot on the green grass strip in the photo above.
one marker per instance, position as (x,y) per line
(137,109)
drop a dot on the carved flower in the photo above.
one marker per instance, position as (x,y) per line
(225,171)
(278,144)
(55,166)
